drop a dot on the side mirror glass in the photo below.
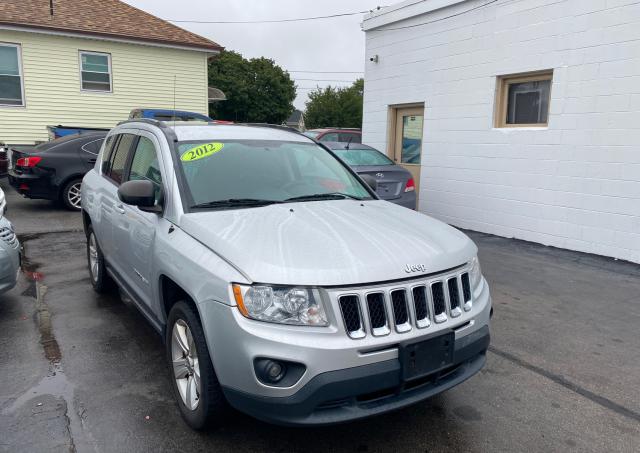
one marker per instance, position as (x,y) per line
(140,193)
(371,181)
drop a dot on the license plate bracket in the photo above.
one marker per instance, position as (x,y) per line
(428,356)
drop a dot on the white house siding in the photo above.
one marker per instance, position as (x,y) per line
(574,184)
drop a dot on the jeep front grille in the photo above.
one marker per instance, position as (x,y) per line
(377,314)
(400,310)
(454,297)
(412,304)
(350,307)
(9,237)
(439,304)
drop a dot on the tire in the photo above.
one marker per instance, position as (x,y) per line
(100,280)
(206,406)
(70,196)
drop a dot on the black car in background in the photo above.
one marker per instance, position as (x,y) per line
(54,170)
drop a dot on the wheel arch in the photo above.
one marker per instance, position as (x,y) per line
(63,183)
(170,293)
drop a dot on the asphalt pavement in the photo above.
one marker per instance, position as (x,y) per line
(82,372)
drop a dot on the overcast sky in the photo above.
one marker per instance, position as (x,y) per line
(321,45)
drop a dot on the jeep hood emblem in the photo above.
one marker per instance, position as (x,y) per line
(409,268)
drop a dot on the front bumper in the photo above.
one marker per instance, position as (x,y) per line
(364,391)
(333,360)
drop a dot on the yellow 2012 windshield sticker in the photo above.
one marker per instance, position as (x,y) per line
(201,151)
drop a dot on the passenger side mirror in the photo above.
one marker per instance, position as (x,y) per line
(140,193)
(371,181)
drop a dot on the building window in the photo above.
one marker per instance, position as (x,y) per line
(11,87)
(523,100)
(95,71)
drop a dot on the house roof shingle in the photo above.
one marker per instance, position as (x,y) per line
(108,18)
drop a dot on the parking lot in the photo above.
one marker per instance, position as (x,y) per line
(82,372)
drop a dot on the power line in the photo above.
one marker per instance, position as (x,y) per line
(326,80)
(438,20)
(328,72)
(271,21)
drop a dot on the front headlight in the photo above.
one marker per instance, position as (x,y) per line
(281,304)
(475,272)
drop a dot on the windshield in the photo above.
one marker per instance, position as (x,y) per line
(249,171)
(311,134)
(355,157)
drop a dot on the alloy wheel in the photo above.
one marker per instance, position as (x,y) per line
(94,262)
(186,367)
(74,195)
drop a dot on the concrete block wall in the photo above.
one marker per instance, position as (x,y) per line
(574,184)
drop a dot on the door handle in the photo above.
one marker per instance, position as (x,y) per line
(92,161)
(120,208)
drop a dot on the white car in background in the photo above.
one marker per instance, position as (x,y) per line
(3,203)
(9,250)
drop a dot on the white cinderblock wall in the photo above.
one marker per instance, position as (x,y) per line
(574,184)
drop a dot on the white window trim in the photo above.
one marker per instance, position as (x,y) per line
(21,74)
(80,71)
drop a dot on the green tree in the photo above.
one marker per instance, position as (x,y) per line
(335,107)
(257,90)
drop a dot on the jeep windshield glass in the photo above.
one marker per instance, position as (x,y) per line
(356,157)
(236,174)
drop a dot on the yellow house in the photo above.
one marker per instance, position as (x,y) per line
(88,63)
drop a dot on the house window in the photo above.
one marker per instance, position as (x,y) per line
(95,71)
(523,100)
(11,88)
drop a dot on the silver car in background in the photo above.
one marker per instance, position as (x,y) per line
(394,183)
(282,285)
(9,255)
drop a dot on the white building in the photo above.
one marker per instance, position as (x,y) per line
(520,118)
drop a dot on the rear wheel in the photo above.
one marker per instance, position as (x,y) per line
(71,195)
(100,280)
(196,387)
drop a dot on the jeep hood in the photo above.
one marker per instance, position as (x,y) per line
(329,243)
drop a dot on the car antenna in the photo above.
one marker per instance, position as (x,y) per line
(349,142)
(174,100)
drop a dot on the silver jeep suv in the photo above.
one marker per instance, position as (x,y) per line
(281,284)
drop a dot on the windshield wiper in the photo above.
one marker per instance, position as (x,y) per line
(324,196)
(234,203)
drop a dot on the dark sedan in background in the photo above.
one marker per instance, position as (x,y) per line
(395,184)
(54,170)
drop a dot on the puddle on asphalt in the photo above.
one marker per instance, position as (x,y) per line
(55,383)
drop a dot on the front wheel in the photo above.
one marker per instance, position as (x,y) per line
(193,379)
(100,280)
(71,195)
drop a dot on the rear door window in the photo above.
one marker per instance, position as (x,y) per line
(92,147)
(106,154)
(118,161)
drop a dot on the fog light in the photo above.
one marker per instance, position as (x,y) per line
(274,371)
(278,373)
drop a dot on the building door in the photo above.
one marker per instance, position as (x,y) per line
(406,147)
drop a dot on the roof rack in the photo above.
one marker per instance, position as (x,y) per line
(144,120)
(274,126)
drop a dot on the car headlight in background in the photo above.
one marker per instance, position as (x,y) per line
(281,304)
(475,272)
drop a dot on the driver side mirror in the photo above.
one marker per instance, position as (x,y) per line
(371,181)
(140,193)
